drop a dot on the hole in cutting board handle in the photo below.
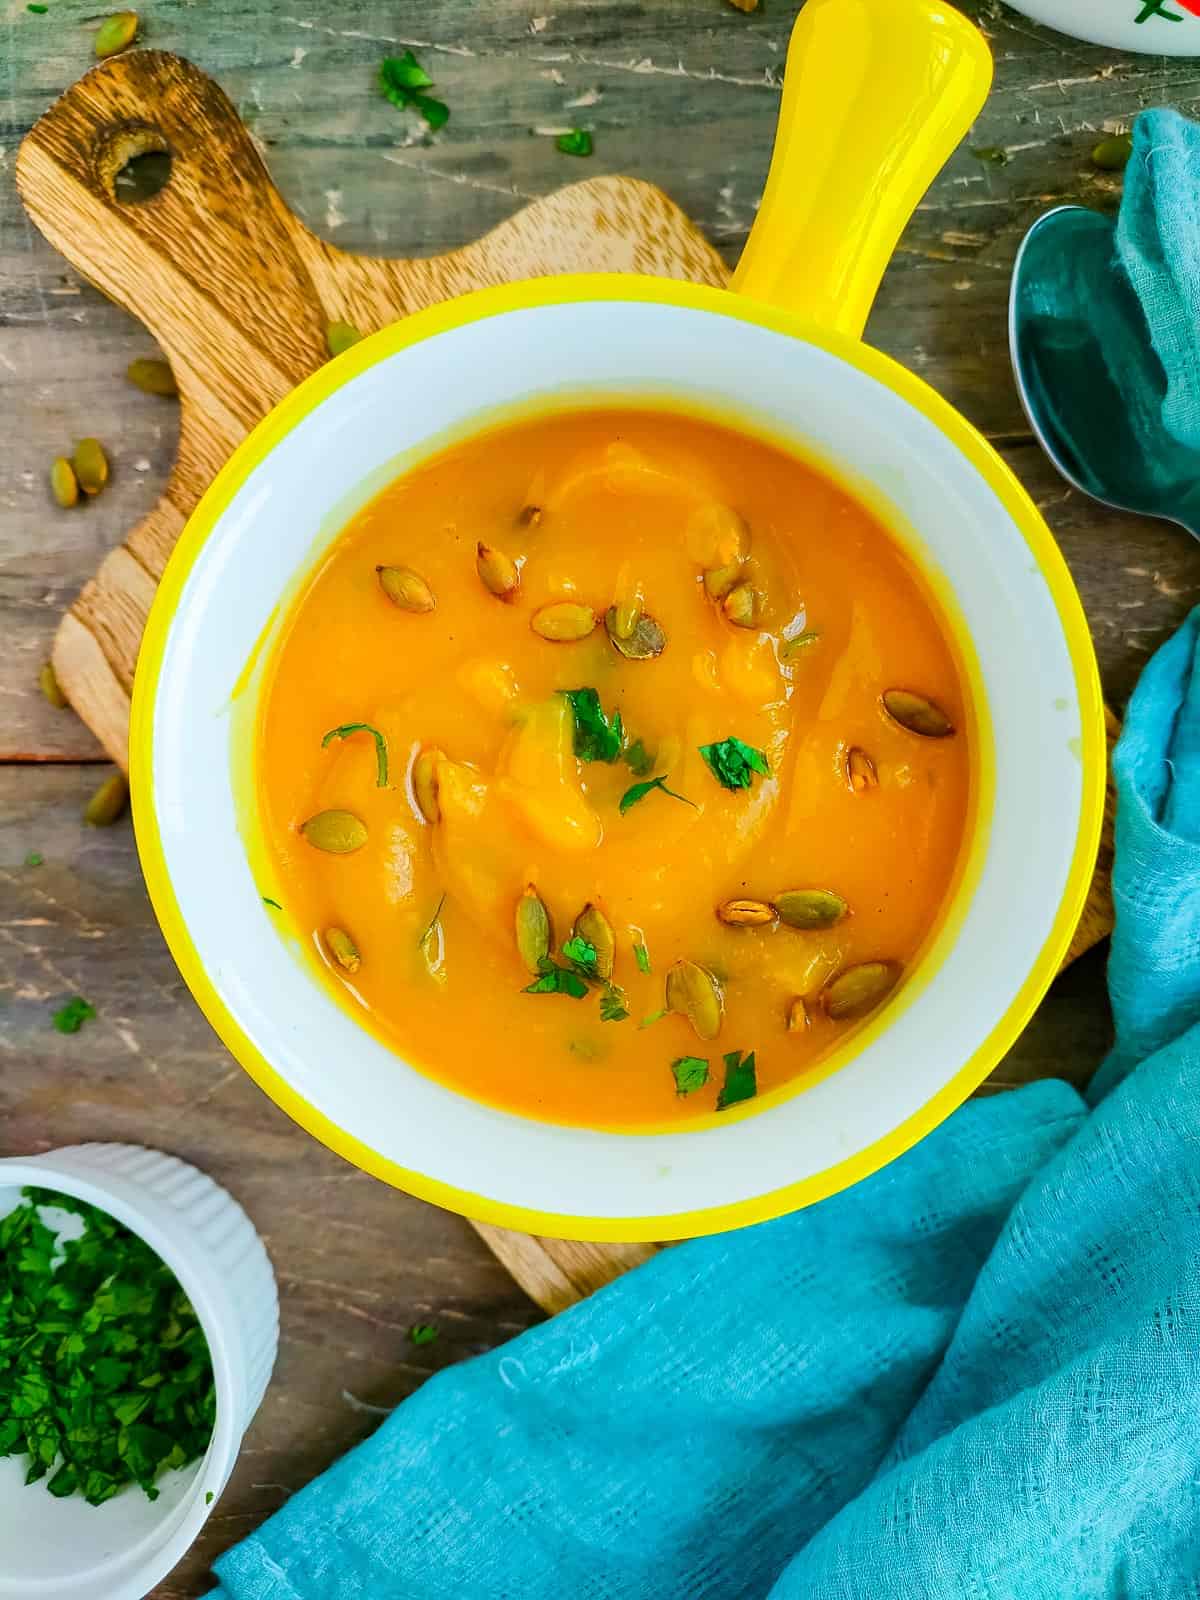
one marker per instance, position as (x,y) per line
(134,164)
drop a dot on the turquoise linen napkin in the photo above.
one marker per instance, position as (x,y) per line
(1158,247)
(975,1376)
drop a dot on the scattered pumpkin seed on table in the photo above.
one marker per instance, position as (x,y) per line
(338,833)
(108,802)
(116,33)
(90,465)
(64,485)
(406,589)
(1112,155)
(339,336)
(152,376)
(51,688)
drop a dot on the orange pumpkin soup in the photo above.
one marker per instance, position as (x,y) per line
(615,765)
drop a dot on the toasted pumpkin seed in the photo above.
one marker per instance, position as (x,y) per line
(693,992)
(425,785)
(115,33)
(799,1019)
(1112,155)
(810,908)
(497,572)
(64,485)
(343,949)
(152,376)
(108,802)
(646,640)
(339,336)
(859,989)
(563,622)
(740,606)
(746,913)
(91,465)
(535,933)
(406,589)
(338,833)
(51,688)
(718,581)
(916,714)
(860,771)
(591,924)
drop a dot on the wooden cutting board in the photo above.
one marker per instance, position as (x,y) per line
(238,294)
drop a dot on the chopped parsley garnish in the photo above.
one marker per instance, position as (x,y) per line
(381,754)
(274,904)
(638,759)
(691,1072)
(612,1004)
(556,979)
(577,142)
(422,1333)
(642,956)
(733,763)
(71,1017)
(575,978)
(581,952)
(655,1016)
(639,791)
(403,81)
(105,1377)
(597,737)
(34,858)
(741,1080)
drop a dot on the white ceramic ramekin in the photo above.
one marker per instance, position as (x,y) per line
(54,1549)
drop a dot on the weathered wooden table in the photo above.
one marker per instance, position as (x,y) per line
(683,92)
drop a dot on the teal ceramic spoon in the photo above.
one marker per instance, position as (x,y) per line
(1087,373)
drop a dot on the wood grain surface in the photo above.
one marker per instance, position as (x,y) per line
(679,92)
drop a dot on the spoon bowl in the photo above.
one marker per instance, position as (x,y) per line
(1089,379)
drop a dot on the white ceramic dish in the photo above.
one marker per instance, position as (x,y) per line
(1152,27)
(921,72)
(65,1549)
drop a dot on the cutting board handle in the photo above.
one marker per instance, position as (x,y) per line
(213,254)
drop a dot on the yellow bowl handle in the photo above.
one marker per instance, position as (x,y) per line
(876,95)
